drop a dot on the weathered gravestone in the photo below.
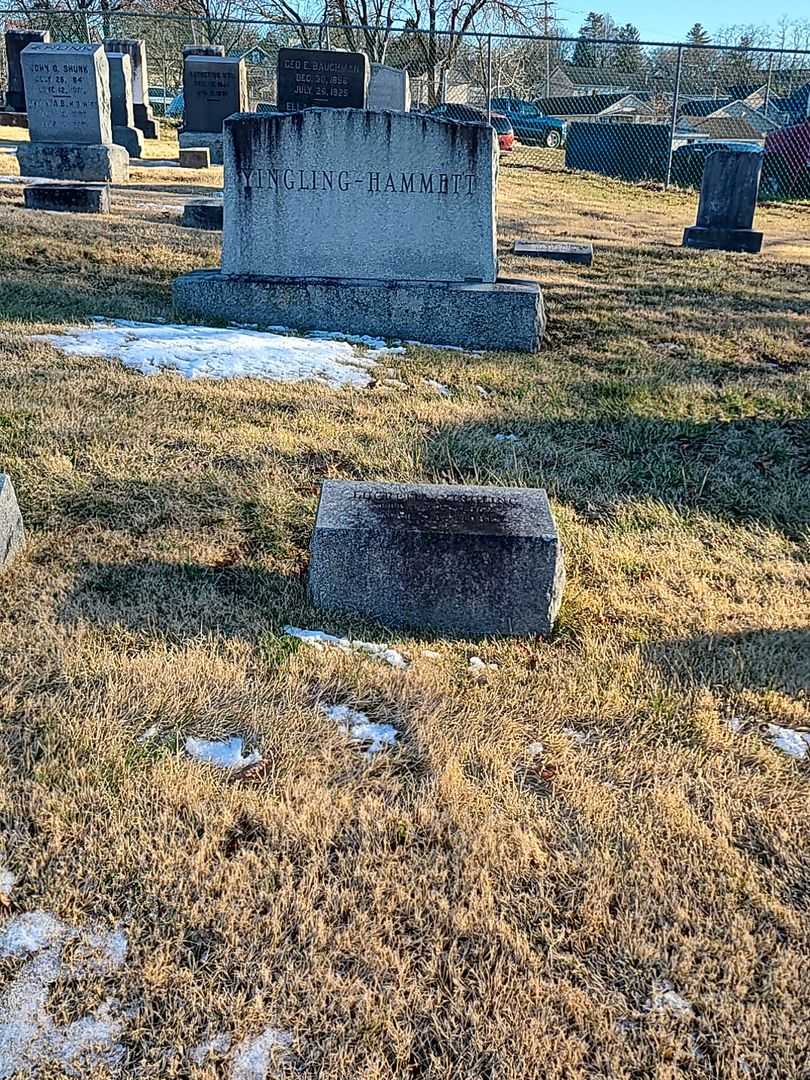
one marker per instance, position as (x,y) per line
(728,201)
(214,87)
(389,88)
(135,49)
(366,222)
(195,157)
(202,214)
(16,41)
(124,132)
(11,523)
(68,93)
(461,560)
(558,250)
(317,77)
(69,198)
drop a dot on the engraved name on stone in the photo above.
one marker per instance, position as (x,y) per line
(369,183)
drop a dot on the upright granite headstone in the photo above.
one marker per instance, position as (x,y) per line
(121,110)
(11,523)
(203,50)
(16,41)
(460,560)
(135,49)
(383,223)
(67,88)
(214,87)
(389,88)
(316,77)
(728,201)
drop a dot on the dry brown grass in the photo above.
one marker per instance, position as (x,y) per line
(455,907)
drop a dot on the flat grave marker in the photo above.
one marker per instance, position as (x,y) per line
(558,250)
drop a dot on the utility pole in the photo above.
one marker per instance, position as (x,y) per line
(548,23)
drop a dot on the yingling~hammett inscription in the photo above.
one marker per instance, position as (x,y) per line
(373,183)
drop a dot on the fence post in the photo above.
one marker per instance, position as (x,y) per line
(674,116)
(489,77)
(768,86)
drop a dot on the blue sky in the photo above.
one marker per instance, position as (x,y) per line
(671,22)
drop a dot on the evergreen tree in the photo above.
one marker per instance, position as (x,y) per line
(698,35)
(628,56)
(588,54)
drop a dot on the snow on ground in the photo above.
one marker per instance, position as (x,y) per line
(478,666)
(29,1037)
(7,882)
(204,352)
(503,437)
(792,742)
(664,998)
(438,387)
(218,1045)
(226,753)
(252,1057)
(319,640)
(357,726)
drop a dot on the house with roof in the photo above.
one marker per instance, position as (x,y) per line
(600,108)
(568,80)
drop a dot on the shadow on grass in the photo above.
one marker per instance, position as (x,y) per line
(182,601)
(739,471)
(754,659)
(125,296)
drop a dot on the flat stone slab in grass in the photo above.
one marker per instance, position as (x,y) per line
(70,198)
(559,250)
(11,523)
(504,315)
(454,559)
(13,119)
(210,140)
(195,157)
(202,214)
(350,193)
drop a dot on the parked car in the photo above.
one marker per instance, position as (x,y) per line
(506,136)
(786,166)
(160,98)
(530,123)
(689,160)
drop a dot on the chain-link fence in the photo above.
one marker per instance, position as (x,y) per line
(625,109)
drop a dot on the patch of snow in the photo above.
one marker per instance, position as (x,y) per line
(252,1057)
(482,393)
(319,640)
(478,666)
(29,1038)
(357,726)
(581,738)
(218,1045)
(202,352)
(377,344)
(501,437)
(7,882)
(445,348)
(664,998)
(789,740)
(225,753)
(440,388)
(734,724)
(429,654)
(394,384)
(150,733)
(534,750)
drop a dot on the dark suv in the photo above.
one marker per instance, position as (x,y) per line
(531,125)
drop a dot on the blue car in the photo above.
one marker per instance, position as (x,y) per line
(532,127)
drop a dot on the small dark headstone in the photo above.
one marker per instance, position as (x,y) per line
(16,41)
(70,198)
(202,214)
(728,200)
(203,50)
(460,560)
(195,157)
(323,78)
(560,250)
(11,523)
(13,119)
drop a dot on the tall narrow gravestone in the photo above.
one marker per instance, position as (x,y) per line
(214,87)
(728,201)
(124,132)
(320,77)
(366,222)
(67,88)
(11,523)
(135,49)
(16,41)
(460,560)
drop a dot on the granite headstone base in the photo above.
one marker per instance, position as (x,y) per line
(13,119)
(558,250)
(190,140)
(459,560)
(11,523)
(504,315)
(69,198)
(145,121)
(131,138)
(202,214)
(104,163)
(714,239)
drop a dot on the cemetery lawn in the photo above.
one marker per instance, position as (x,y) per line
(588,859)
